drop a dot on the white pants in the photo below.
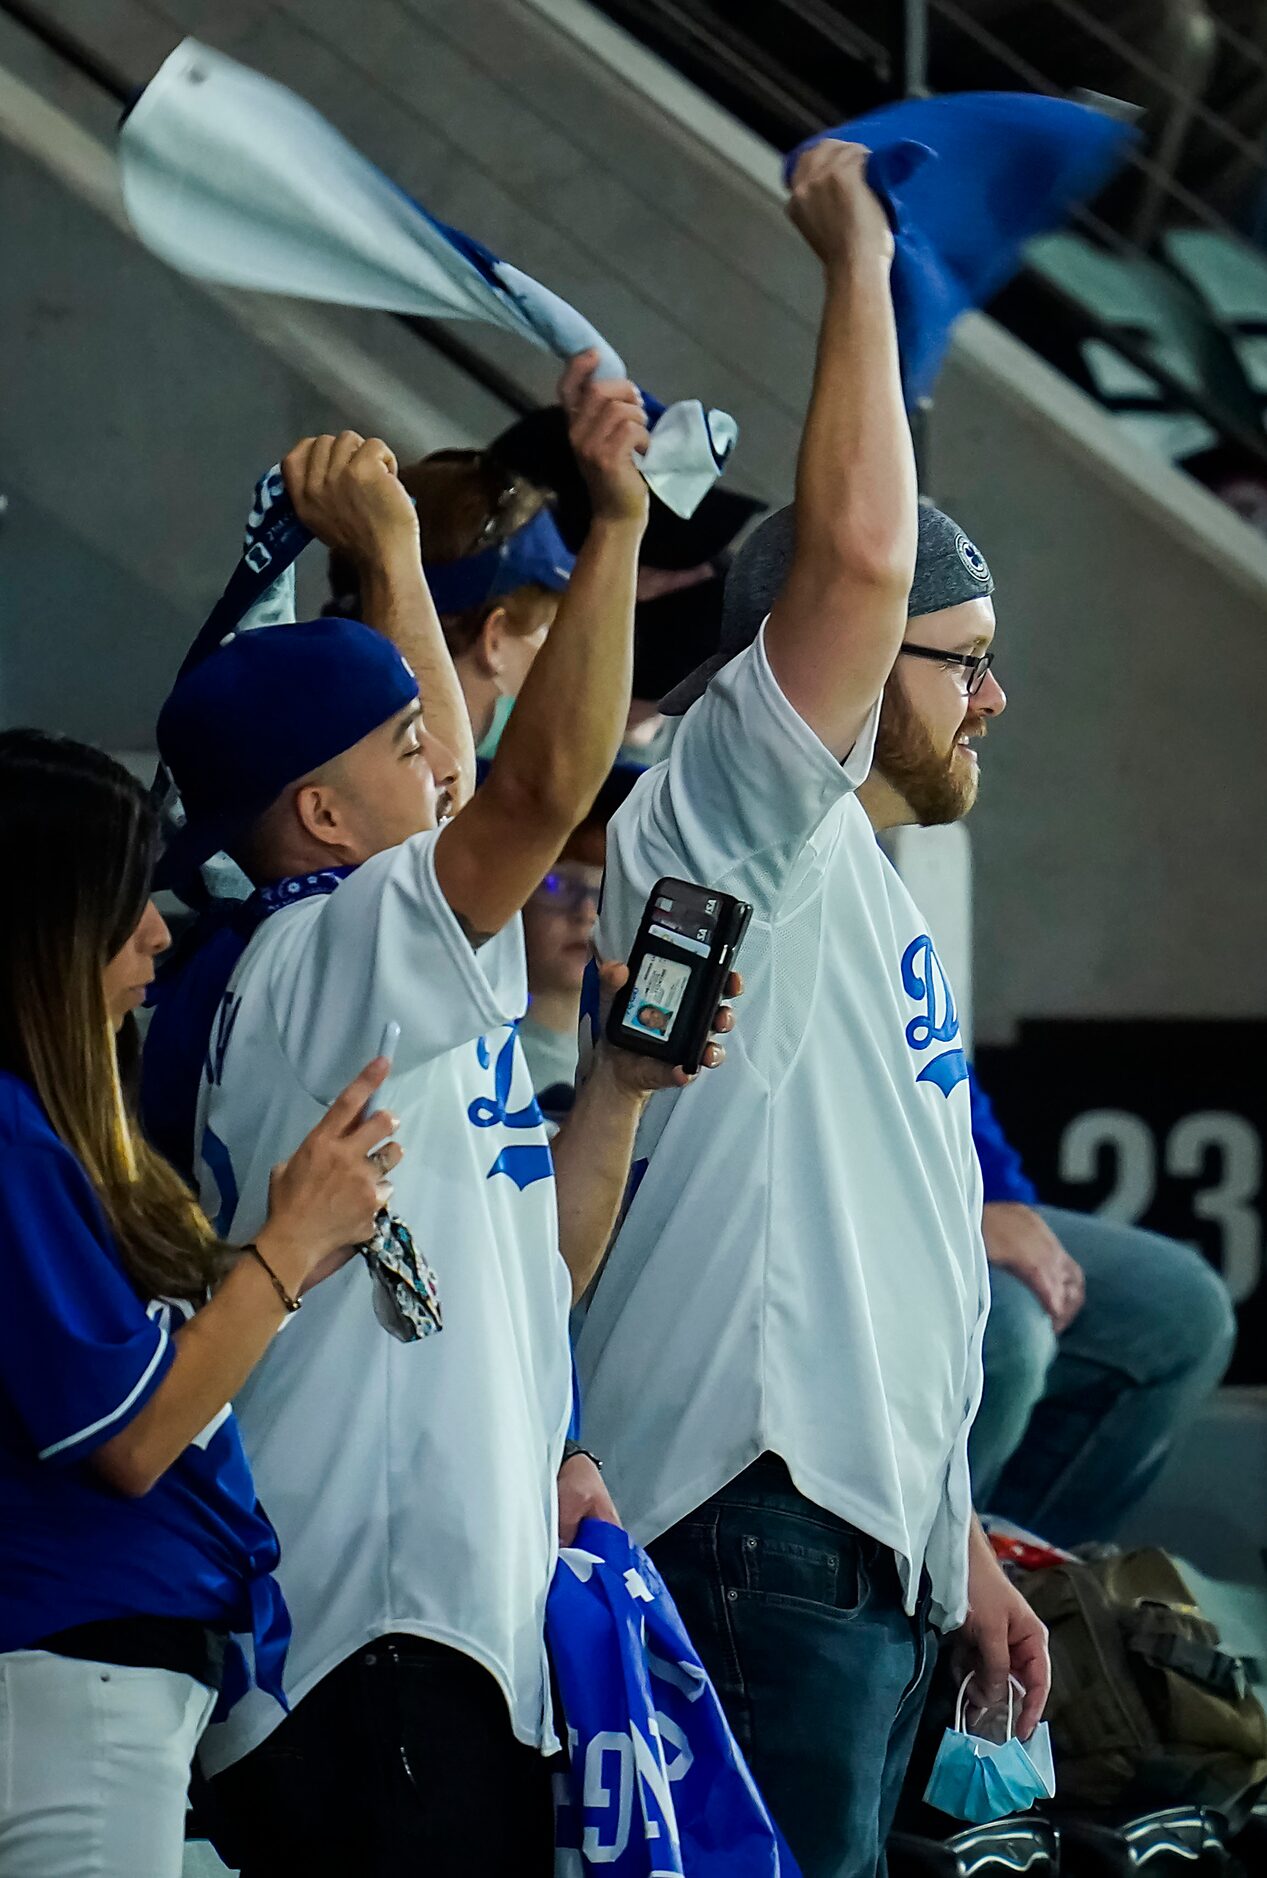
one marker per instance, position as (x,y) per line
(94,1767)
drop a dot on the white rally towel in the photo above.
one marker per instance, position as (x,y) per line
(230,177)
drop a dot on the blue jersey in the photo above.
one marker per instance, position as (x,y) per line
(80,1356)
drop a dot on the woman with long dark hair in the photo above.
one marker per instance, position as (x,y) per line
(132,1550)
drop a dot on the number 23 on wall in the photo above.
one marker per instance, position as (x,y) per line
(1214,1147)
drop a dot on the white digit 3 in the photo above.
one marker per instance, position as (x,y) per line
(1232,1202)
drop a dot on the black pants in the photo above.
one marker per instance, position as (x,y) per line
(400,1760)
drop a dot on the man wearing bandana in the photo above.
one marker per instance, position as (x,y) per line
(781,1359)
(420,1487)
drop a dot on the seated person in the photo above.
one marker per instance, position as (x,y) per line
(1102,1340)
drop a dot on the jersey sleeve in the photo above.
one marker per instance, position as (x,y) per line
(746,784)
(79,1356)
(386,947)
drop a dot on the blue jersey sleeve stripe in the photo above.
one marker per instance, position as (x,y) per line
(148,1379)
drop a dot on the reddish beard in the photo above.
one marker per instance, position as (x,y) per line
(937,786)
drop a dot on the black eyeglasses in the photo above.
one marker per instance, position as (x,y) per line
(973,665)
(565,893)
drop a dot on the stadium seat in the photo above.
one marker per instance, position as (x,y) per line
(1006,1847)
(1166,320)
(1181,1842)
(1232,280)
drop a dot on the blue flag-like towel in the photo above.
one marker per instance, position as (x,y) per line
(656,1785)
(969,179)
(230,177)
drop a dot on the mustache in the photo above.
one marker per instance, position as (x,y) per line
(973,726)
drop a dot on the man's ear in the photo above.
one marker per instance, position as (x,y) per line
(491,643)
(317,810)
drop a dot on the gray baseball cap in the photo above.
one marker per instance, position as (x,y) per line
(949,569)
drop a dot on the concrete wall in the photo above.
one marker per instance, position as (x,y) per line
(138,410)
(1119,839)
(1116,845)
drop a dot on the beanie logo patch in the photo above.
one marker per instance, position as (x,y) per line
(972,558)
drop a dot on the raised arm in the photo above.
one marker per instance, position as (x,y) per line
(346,490)
(836,626)
(566,727)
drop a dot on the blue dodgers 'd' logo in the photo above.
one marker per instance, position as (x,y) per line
(926,983)
(524,1162)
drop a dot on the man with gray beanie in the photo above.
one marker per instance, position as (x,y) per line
(782,1356)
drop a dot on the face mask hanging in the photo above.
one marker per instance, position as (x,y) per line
(979,1780)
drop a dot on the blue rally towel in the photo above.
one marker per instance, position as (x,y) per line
(229,176)
(969,179)
(657,1787)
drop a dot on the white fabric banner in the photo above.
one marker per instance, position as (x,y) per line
(230,177)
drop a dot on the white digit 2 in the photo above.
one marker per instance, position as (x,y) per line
(1135,1159)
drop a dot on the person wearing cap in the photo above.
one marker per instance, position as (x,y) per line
(781,1358)
(413,1485)
(681,567)
(497,567)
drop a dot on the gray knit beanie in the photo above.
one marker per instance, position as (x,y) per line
(949,569)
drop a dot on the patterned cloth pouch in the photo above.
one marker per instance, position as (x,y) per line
(406,1294)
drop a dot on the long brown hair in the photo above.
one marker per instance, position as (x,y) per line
(78,839)
(466,502)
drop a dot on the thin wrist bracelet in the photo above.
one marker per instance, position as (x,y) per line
(292,1304)
(572,1448)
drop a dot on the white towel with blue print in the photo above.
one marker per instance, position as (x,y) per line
(228,176)
(656,1785)
(261,589)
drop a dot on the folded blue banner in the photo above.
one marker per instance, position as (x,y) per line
(656,1787)
(230,177)
(969,179)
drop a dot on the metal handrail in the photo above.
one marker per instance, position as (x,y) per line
(808,12)
(500,385)
(1038,82)
(1137,352)
(109,79)
(1235,37)
(1157,75)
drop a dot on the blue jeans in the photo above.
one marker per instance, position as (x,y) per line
(1072,1430)
(798,1620)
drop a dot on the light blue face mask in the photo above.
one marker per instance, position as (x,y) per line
(980,1780)
(501,713)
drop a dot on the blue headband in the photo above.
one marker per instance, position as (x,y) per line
(535,555)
